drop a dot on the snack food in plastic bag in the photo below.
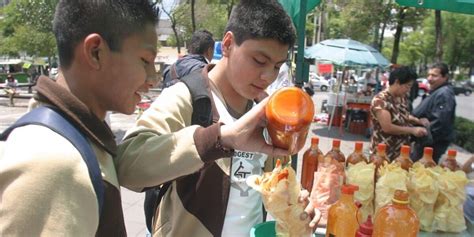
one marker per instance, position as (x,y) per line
(327,186)
(448,213)
(280,191)
(362,175)
(423,190)
(392,177)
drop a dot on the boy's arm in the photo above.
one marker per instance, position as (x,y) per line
(163,145)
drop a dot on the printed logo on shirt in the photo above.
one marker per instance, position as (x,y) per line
(245,164)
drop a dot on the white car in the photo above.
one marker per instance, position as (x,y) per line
(318,82)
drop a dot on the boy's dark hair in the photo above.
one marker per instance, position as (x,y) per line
(443,68)
(261,19)
(403,74)
(200,42)
(114,20)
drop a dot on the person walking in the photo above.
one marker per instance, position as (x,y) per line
(437,111)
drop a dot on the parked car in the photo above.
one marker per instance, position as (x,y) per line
(423,86)
(318,82)
(460,89)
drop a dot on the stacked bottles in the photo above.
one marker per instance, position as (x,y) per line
(379,159)
(404,159)
(427,159)
(396,219)
(343,216)
(310,164)
(450,161)
(356,156)
(366,229)
(335,153)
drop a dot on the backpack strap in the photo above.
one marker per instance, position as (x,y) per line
(202,105)
(53,119)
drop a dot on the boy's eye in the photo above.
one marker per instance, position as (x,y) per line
(259,62)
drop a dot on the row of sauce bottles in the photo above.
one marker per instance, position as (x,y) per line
(344,217)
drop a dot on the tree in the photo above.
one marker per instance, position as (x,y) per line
(439,37)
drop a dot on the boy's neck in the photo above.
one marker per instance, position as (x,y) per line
(233,100)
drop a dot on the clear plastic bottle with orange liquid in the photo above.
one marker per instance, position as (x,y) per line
(450,161)
(344,215)
(356,156)
(404,159)
(396,219)
(379,159)
(335,153)
(290,112)
(427,159)
(310,164)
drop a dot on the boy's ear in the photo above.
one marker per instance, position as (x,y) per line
(93,50)
(227,43)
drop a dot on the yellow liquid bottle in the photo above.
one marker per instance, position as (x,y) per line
(343,216)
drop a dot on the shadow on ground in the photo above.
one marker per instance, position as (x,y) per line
(336,132)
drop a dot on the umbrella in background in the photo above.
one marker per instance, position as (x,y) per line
(346,52)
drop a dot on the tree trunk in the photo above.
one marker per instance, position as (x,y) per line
(230,5)
(193,18)
(398,35)
(178,44)
(439,37)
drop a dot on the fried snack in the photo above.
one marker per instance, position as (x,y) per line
(280,191)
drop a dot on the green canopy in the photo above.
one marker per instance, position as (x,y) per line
(460,6)
(292,7)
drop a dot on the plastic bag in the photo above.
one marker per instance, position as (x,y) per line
(448,213)
(280,191)
(326,187)
(392,177)
(423,190)
(362,175)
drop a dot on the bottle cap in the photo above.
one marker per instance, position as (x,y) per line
(400,196)
(428,150)
(381,147)
(349,189)
(359,145)
(336,143)
(366,228)
(452,152)
(405,149)
(315,140)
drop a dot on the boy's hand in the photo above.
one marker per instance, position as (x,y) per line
(246,133)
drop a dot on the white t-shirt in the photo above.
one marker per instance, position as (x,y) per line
(244,208)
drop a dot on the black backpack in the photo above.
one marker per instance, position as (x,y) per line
(202,115)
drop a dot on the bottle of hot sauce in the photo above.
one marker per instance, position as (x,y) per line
(290,112)
(310,164)
(380,158)
(356,156)
(450,161)
(335,153)
(404,158)
(427,159)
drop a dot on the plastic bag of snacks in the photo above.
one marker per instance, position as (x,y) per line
(448,213)
(327,186)
(280,191)
(362,175)
(392,177)
(423,190)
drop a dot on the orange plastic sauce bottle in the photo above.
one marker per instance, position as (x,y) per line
(290,112)
(404,159)
(335,153)
(356,156)
(343,216)
(379,159)
(450,161)
(396,219)
(310,164)
(427,159)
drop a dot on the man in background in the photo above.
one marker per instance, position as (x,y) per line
(200,52)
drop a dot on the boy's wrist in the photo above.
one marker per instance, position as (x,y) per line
(223,142)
